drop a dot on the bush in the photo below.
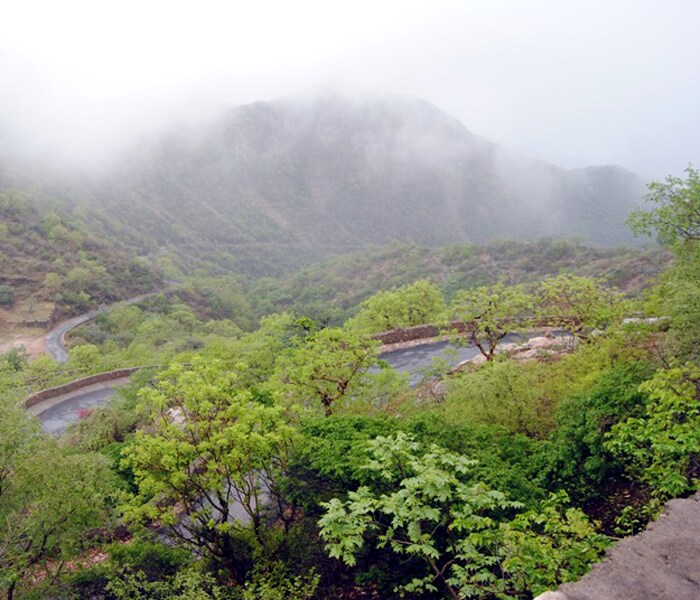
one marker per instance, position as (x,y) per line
(7,295)
(578,459)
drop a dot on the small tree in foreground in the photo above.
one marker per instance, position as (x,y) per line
(209,466)
(49,498)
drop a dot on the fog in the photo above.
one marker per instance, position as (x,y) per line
(573,83)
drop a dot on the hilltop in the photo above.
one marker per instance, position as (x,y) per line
(270,186)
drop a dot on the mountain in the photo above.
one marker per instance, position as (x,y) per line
(273,185)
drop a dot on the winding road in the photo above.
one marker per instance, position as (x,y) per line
(58,413)
(56,337)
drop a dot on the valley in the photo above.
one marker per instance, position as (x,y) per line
(254,263)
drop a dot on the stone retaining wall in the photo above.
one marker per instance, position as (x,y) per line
(71,386)
(419,332)
(43,323)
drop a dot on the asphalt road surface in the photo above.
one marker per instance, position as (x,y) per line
(58,413)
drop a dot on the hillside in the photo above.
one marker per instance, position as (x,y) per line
(274,185)
(331,290)
(50,262)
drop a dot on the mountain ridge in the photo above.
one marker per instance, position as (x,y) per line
(270,186)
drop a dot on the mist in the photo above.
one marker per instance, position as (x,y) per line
(575,83)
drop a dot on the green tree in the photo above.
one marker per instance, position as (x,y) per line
(427,506)
(49,498)
(662,446)
(123,319)
(41,371)
(676,218)
(542,548)
(431,511)
(578,458)
(415,304)
(507,393)
(52,282)
(330,365)
(489,313)
(84,358)
(578,304)
(213,451)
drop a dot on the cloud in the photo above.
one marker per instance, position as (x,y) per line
(570,82)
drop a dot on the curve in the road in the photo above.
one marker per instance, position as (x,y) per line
(56,414)
(56,338)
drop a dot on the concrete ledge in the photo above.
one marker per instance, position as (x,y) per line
(661,563)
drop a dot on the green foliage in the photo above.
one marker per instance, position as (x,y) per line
(7,295)
(680,292)
(261,349)
(332,451)
(546,547)
(515,395)
(409,305)
(578,304)
(15,359)
(330,366)
(84,359)
(676,218)
(490,313)
(431,512)
(50,254)
(155,560)
(274,582)
(676,222)
(41,371)
(107,425)
(331,290)
(430,508)
(49,498)
(578,458)
(662,446)
(187,584)
(633,519)
(212,450)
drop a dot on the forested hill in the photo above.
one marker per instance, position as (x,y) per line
(52,263)
(272,185)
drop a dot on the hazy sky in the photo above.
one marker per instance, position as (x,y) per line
(575,83)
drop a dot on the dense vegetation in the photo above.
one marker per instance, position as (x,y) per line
(289,462)
(332,290)
(49,257)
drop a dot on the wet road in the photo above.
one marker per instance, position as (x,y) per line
(419,360)
(55,342)
(55,345)
(58,413)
